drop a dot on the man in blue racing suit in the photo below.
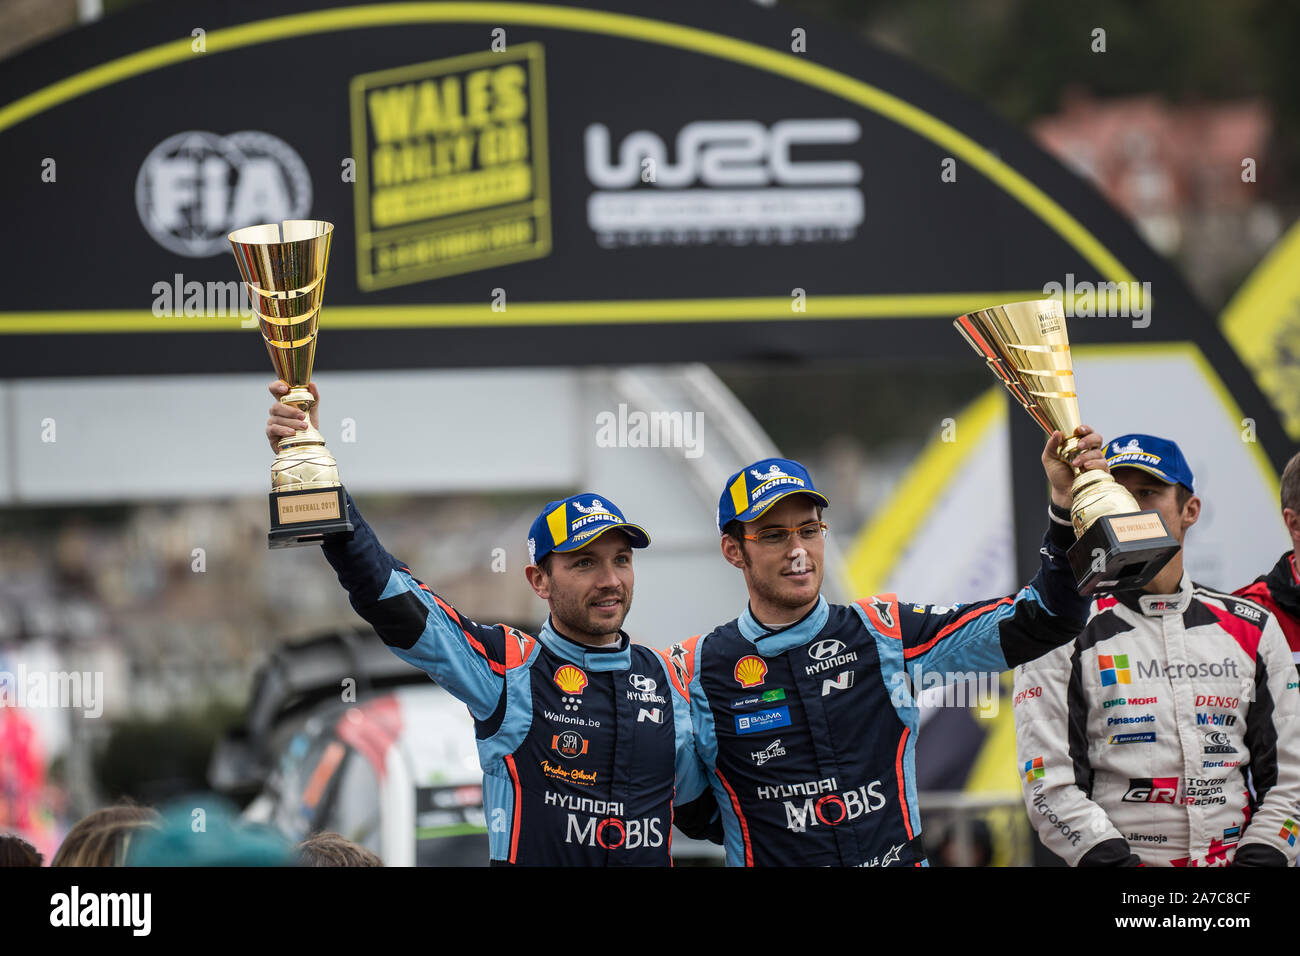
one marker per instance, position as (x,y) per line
(805,712)
(586,749)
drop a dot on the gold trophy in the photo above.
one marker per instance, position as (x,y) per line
(285,276)
(1120,547)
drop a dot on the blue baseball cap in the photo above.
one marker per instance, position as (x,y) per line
(755,488)
(575,522)
(1156,456)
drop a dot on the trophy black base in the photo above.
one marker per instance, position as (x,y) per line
(1121,552)
(301,518)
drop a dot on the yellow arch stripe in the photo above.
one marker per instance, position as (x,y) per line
(699,41)
(1273,284)
(879,545)
(1254,321)
(740,309)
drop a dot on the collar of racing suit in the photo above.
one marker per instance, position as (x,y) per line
(1155,605)
(1284,584)
(771,643)
(611,657)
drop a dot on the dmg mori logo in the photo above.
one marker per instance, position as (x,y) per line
(196,187)
(824,650)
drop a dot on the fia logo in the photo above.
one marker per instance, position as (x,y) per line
(196,187)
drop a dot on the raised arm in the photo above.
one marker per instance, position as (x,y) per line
(467,658)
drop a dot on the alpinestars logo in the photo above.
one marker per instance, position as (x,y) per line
(883,609)
(893,855)
(677,657)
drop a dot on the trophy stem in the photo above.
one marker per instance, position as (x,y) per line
(303,463)
(1097,493)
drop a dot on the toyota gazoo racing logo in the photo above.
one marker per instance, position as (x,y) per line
(730,182)
(196,187)
(827,654)
(1194,791)
(644,690)
(823,804)
(1152,790)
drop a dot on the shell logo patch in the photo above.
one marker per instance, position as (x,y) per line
(570,679)
(750,671)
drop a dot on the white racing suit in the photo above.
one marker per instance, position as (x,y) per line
(1166,733)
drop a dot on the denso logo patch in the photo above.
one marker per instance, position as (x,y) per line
(1209,700)
(1029,693)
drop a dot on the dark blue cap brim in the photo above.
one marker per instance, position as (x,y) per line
(1147,468)
(636,535)
(758,510)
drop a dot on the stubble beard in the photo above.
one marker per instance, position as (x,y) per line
(576,619)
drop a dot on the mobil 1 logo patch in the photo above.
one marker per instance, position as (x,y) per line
(762,720)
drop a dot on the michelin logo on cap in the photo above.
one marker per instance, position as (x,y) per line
(748,493)
(1157,456)
(1132,452)
(568,524)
